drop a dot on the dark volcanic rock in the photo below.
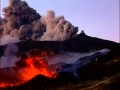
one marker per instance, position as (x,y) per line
(106,66)
(79,43)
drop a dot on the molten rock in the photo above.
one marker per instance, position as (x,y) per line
(27,68)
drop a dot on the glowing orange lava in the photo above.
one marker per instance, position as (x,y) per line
(28,68)
(35,67)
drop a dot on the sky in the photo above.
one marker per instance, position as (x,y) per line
(98,18)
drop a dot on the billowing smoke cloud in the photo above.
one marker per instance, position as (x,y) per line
(19,17)
(22,21)
(57,28)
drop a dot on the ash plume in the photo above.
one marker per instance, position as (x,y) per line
(22,21)
(57,28)
(19,16)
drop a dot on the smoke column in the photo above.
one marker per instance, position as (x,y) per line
(24,23)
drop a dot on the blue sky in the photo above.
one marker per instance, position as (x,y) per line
(98,18)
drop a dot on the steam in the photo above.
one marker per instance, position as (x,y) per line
(69,58)
(10,56)
(23,22)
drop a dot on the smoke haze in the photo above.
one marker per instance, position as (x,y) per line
(10,56)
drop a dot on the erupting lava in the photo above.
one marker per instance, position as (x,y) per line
(26,69)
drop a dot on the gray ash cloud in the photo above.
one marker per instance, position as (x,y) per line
(23,22)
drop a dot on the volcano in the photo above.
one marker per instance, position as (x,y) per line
(46,53)
(74,44)
(104,62)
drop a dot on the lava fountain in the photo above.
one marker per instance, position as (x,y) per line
(27,67)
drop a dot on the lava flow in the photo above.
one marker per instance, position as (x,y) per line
(27,68)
